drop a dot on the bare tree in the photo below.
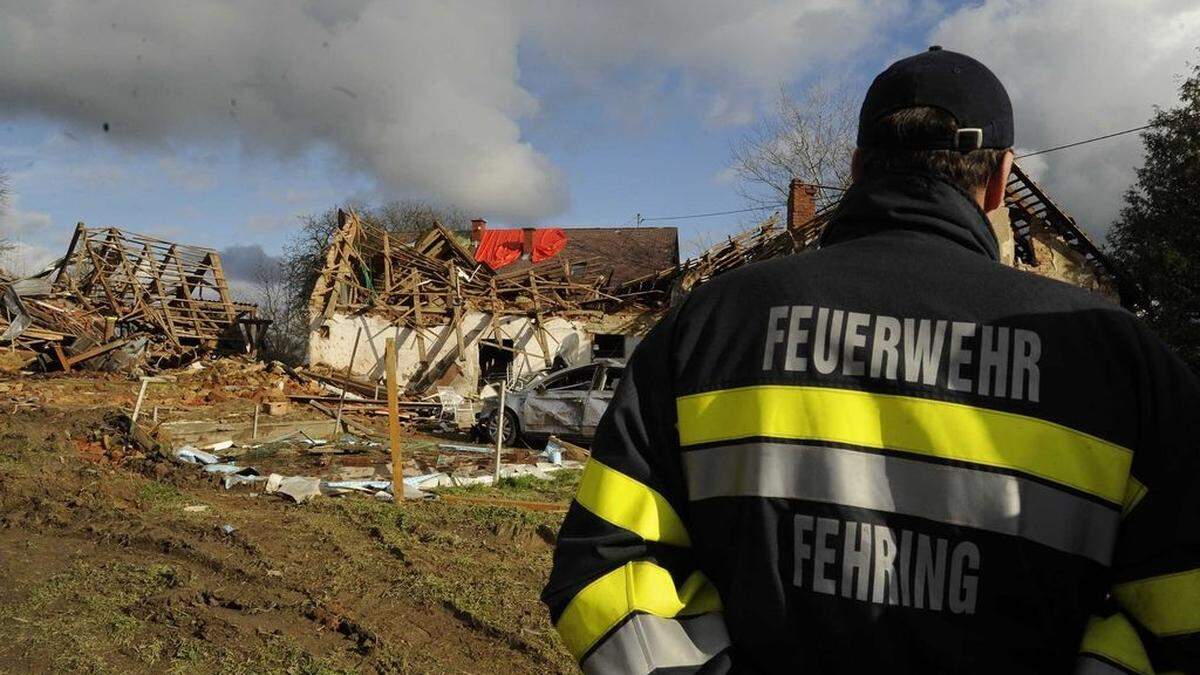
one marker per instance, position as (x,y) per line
(286,291)
(810,138)
(285,339)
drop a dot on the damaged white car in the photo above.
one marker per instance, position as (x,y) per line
(567,403)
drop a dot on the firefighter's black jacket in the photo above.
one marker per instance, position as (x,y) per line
(892,454)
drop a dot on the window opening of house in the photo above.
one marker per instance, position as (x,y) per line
(608,346)
(495,361)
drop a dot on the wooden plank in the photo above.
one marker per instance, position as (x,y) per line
(184,290)
(162,294)
(61,356)
(540,334)
(80,229)
(501,413)
(456,302)
(393,398)
(94,352)
(322,300)
(214,261)
(367,432)
(387,262)
(416,406)
(98,273)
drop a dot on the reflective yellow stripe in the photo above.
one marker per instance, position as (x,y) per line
(1166,605)
(1133,495)
(626,503)
(1115,639)
(920,426)
(634,587)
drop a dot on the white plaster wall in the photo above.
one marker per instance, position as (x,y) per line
(570,339)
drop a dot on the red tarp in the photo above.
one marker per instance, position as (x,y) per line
(503,247)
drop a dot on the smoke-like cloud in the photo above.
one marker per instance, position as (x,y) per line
(250,263)
(1077,69)
(422,95)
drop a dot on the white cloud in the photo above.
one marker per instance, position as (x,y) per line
(31,236)
(1076,69)
(422,95)
(15,223)
(743,50)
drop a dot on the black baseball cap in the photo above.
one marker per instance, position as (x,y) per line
(954,82)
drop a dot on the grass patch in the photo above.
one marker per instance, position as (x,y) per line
(81,616)
(481,562)
(159,495)
(85,619)
(559,487)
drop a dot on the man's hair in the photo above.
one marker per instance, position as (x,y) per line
(910,126)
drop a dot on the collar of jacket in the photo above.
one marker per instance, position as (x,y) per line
(916,202)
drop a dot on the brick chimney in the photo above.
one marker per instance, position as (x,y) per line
(801,204)
(527,243)
(478,225)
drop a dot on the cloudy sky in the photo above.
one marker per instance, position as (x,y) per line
(218,122)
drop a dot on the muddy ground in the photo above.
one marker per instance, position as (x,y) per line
(103,568)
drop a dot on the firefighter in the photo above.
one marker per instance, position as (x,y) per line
(893,454)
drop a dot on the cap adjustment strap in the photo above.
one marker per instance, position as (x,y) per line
(968,139)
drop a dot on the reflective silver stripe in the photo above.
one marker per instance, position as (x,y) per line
(948,494)
(1087,665)
(646,642)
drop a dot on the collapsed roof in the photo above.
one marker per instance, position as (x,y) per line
(435,278)
(116,290)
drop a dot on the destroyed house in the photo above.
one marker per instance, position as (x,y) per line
(510,303)
(118,299)
(492,304)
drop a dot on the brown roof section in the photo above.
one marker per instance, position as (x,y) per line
(618,253)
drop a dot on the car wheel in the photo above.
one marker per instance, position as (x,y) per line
(511,428)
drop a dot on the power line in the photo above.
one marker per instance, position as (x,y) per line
(639,219)
(1084,142)
(714,213)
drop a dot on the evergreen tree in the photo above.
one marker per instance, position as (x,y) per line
(1156,239)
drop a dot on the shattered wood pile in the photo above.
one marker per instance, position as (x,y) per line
(433,280)
(155,302)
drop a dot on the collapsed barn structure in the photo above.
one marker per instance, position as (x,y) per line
(507,304)
(119,300)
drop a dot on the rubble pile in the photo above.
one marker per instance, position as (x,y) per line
(435,279)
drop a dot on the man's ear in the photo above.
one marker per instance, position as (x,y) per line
(855,166)
(993,196)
